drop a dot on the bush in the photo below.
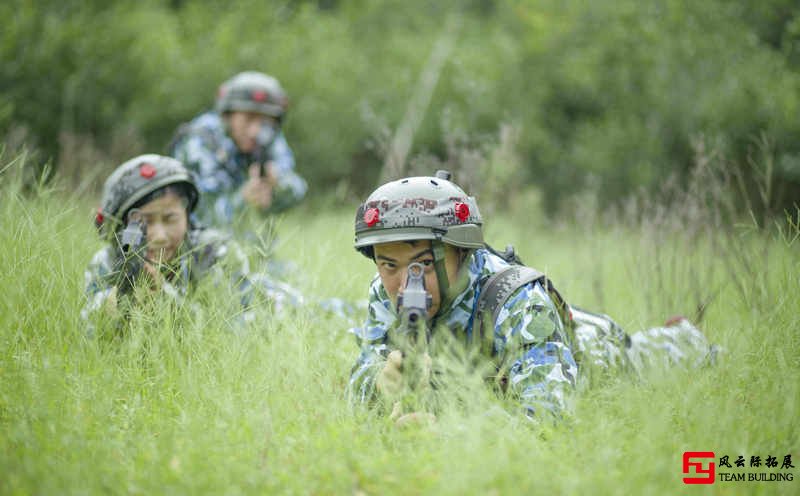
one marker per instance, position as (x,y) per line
(604,95)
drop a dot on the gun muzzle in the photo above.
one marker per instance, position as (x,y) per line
(266,135)
(414,300)
(133,235)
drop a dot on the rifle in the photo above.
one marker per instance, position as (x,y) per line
(413,335)
(266,136)
(413,303)
(131,243)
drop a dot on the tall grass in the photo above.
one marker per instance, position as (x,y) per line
(183,405)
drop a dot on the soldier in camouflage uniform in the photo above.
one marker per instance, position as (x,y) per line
(238,152)
(539,346)
(153,244)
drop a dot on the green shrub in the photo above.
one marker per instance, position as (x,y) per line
(606,95)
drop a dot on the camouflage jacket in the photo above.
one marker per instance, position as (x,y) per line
(221,169)
(201,255)
(528,333)
(541,354)
(205,254)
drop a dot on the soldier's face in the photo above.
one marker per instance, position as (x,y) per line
(167,224)
(244,127)
(393,259)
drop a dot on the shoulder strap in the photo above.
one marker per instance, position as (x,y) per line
(498,288)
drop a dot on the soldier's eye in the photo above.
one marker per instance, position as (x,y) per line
(427,262)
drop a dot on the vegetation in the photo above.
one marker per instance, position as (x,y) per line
(185,405)
(601,95)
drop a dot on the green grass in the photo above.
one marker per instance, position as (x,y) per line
(183,406)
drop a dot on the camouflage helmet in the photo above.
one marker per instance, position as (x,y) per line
(134,180)
(419,208)
(252,91)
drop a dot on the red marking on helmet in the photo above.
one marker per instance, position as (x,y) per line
(259,96)
(372,216)
(674,320)
(99,218)
(462,211)
(147,171)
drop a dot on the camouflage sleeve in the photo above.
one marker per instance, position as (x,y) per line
(99,286)
(675,344)
(230,259)
(220,197)
(372,338)
(97,282)
(603,348)
(531,343)
(291,188)
(222,261)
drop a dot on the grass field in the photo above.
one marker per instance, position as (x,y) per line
(183,406)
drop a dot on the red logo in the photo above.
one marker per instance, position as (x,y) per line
(260,96)
(462,211)
(698,467)
(372,216)
(147,171)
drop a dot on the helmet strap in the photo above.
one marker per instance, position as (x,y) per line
(441,271)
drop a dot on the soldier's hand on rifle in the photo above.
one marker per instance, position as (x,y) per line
(408,419)
(125,271)
(111,305)
(390,378)
(418,417)
(257,191)
(155,277)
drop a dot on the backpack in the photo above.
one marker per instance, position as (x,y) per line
(501,285)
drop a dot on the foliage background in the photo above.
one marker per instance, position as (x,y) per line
(608,96)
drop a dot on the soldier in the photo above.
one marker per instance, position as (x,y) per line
(426,232)
(154,247)
(238,153)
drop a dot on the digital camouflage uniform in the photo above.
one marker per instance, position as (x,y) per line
(220,169)
(542,351)
(204,253)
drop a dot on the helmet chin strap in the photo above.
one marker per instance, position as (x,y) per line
(441,271)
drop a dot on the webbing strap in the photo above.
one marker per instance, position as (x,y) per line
(497,289)
(441,271)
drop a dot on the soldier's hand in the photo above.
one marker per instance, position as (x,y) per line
(111,305)
(257,191)
(425,375)
(390,378)
(407,419)
(270,175)
(415,418)
(154,275)
(125,271)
